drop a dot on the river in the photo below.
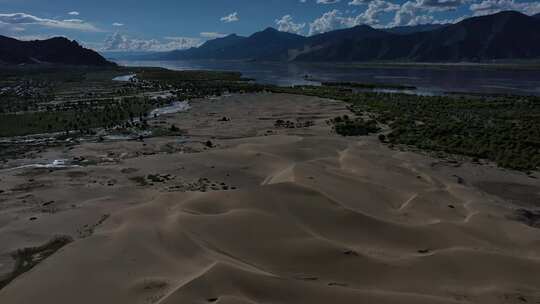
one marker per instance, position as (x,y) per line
(428,79)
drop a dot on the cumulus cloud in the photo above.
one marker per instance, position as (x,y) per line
(487,7)
(120,42)
(375,8)
(388,13)
(286,24)
(410,14)
(335,19)
(23,19)
(418,12)
(74,13)
(331,20)
(440,5)
(230,18)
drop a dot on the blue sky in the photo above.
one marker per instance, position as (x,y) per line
(130,25)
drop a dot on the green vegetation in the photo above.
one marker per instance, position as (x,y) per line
(196,84)
(45,100)
(287,124)
(502,129)
(139,180)
(81,117)
(368,85)
(27,258)
(345,126)
(79,100)
(174,77)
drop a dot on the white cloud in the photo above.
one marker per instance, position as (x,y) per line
(22,19)
(230,18)
(377,13)
(6,27)
(212,35)
(414,12)
(117,24)
(417,12)
(119,42)
(74,13)
(335,19)
(73,20)
(487,7)
(375,8)
(327,1)
(286,24)
(408,15)
(36,37)
(440,5)
(329,21)
(359,2)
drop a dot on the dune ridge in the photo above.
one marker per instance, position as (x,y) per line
(317,219)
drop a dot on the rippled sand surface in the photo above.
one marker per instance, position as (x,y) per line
(273,216)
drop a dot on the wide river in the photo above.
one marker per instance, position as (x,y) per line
(428,79)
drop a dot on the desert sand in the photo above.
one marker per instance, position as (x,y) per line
(269,215)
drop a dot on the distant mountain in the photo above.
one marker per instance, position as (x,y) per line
(212,49)
(505,35)
(353,33)
(502,36)
(336,45)
(411,29)
(536,16)
(125,55)
(268,44)
(336,42)
(55,51)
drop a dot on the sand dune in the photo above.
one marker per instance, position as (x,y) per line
(313,218)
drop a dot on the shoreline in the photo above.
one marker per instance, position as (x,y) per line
(520,65)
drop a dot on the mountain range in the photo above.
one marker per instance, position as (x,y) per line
(410,29)
(501,36)
(57,50)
